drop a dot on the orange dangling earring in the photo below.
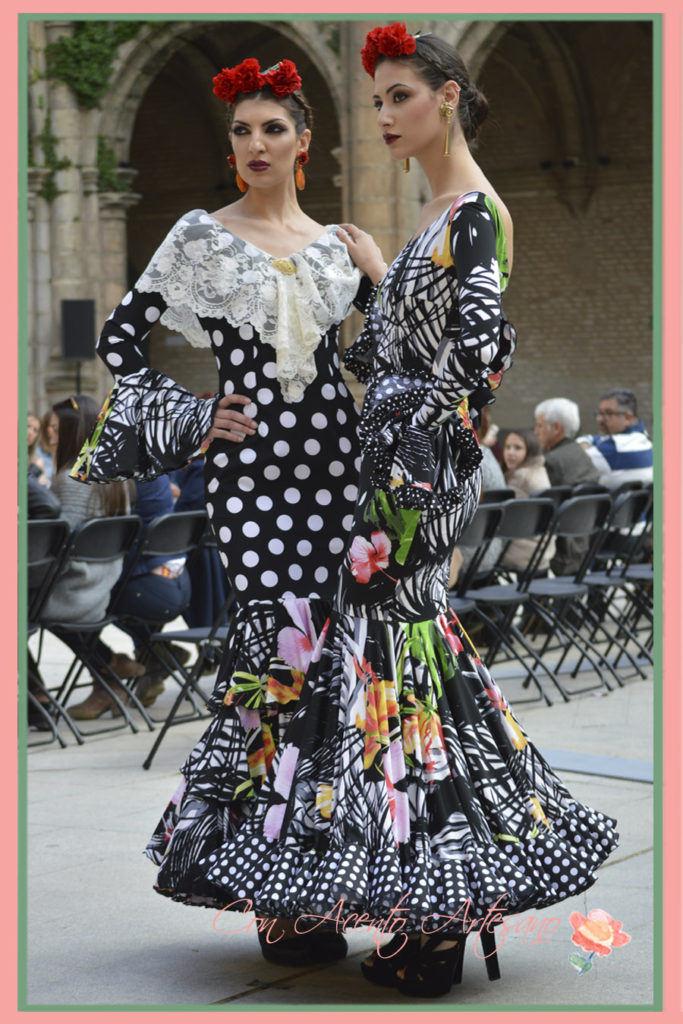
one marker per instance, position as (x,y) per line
(299,176)
(239,180)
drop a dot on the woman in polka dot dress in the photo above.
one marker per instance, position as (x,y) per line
(405,795)
(266,287)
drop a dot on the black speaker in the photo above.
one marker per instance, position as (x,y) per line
(78,329)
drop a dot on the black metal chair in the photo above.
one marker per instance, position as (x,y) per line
(170,535)
(621,591)
(588,488)
(557,601)
(496,494)
(46,546)
(557,494)
(497,604)
(209,641)
(104,540)
(476,536)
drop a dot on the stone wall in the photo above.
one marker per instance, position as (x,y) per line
(567,144)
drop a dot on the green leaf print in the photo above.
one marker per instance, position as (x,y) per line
(399,524)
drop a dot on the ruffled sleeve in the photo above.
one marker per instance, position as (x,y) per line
(148,426)
(359,357)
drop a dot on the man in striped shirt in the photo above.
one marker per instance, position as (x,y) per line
(622,451)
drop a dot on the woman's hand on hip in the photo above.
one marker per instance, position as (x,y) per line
(230,424)
(364,251)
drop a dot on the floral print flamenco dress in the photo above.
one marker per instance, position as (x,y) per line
(272,325)
(403,779)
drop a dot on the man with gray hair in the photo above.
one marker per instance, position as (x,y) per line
(557,424)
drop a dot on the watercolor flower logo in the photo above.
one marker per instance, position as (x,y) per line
(598,933)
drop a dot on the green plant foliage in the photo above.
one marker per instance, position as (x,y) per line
(53,162)
(108,180)
(84,60)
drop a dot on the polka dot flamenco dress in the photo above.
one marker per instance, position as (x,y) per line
(281,502)
(403,779)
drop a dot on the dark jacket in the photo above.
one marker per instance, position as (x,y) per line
(568,463)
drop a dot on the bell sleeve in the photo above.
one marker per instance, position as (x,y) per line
(149,424)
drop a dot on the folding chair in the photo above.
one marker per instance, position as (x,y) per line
(104,540)
(496,605)
(496,494)
(557,600)
(208,640)
(478,535)
(629,520)
(46,546)
(168,536)
(587,488)
(557,494)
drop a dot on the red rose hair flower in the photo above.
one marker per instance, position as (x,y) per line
(283,79)
(392,41)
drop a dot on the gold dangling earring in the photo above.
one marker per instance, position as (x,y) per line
(447,110)
(239,180)
(299,175)
(406,164)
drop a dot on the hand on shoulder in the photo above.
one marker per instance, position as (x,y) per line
(364,251)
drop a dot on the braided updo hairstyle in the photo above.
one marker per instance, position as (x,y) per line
(436,62)
(295,104)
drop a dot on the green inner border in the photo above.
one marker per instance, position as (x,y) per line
(657,724)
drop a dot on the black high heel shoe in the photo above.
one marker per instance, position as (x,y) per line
(297,950)
(432,972)
(394,954)
(327,945)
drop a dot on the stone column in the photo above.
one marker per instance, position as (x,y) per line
(113,213)
(71,263)
(38,292)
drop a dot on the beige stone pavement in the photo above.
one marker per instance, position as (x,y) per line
(98,936)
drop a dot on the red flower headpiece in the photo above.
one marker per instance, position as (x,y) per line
(283,79)
(392,41)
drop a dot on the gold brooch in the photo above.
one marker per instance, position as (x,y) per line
(284,266)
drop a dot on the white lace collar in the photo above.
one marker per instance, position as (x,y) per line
(202,269)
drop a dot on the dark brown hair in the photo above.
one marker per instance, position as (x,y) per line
(531,442)
(295,104)
(77,417)
(437,62)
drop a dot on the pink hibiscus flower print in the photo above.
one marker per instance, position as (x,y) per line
(369,556)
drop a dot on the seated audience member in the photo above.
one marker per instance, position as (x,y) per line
(210,587)
(46,448)
(36,462)
(157,592)
(84,588)
(622,451)
(566,462)
(43,503)
(525,472)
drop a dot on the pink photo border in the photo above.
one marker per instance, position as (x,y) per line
(672,385)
